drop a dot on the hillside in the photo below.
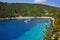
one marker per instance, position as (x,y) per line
(24,9)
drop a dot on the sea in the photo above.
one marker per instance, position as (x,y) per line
(24,29)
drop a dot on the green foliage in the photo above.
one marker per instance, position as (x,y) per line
(24,9)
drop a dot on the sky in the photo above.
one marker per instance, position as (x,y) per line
(55,3)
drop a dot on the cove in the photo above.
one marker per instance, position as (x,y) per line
(19,29)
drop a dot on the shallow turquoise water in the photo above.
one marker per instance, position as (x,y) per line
(35,33)
(19,30)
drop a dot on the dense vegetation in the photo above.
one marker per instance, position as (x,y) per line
(24,9)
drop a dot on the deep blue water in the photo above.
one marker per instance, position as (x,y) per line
(17,29)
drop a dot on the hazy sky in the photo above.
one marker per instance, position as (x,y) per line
(48,2)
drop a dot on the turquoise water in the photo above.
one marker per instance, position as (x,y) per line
(20,30)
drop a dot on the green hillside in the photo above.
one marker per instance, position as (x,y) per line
(24,9)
